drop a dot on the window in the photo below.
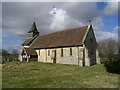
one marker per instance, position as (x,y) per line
(70,51)
(61,52)
(48,52)
(39,52)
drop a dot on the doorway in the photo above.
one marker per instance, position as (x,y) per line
(83,62)
(54,58)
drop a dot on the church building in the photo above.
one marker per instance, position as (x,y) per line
(76,46)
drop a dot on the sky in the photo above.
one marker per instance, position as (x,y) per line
(17,19)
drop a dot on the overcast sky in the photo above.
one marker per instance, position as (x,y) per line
(17,19)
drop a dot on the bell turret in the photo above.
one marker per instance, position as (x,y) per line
(33,31)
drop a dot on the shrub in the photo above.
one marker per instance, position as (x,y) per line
(113,66)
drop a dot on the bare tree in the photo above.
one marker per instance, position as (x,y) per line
(108,48)
(4,52)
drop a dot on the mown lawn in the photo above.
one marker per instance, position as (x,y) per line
(42,75)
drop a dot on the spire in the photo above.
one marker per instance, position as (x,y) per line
(33,31)
(33,28)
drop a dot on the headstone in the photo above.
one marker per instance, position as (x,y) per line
(1,62)
(9,59)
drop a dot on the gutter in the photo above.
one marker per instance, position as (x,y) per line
(59,47)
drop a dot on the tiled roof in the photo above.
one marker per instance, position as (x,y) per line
(29,41)
(69,37)
(30,51)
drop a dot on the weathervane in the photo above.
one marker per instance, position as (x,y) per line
(54,8)
(89,21)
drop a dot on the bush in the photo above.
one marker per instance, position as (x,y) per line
(113,66)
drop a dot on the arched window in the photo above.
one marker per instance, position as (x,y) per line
(61,52)
(39,52)
(48,52)
(70,51)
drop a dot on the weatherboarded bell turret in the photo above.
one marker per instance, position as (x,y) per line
(26,52)
(33,31)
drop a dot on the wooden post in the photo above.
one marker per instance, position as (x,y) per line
(27,57)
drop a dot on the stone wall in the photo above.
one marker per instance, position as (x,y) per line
(75,59)
(97,57)
(67,58)
(91,54)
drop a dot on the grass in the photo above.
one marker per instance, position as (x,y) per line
(42,75)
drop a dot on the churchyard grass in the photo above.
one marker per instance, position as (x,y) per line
(46,75)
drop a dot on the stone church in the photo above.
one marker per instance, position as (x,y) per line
(75,46)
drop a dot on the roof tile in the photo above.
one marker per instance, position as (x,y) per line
(69,37)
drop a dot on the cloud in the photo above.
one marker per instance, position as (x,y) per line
(0,25)
(18,18)
(111,8)
(0,19)
(116,28)
(11,47)
(83,11)
(101,35)
(98,23)
(59,20)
